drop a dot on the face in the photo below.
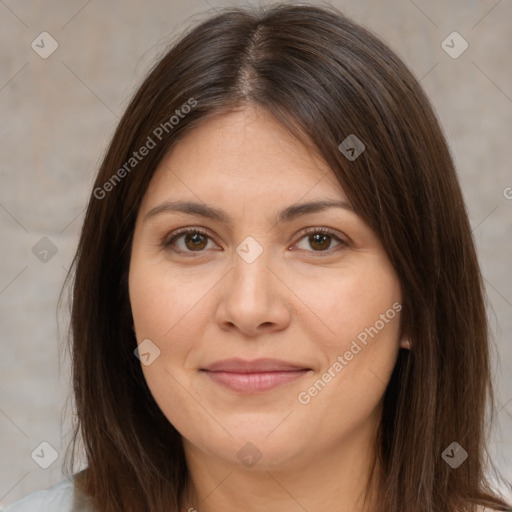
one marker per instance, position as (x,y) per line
(266,332)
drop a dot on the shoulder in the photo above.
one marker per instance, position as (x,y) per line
(58,498)
(481,508)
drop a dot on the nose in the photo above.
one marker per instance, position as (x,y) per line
(253,298)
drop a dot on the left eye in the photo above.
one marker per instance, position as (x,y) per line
(320,239)
(196,240)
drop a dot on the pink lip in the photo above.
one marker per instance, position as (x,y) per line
(254,376)
(237,365)
(254,382)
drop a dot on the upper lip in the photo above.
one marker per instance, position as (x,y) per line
(236,365)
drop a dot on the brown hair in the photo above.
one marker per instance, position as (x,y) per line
(323,77)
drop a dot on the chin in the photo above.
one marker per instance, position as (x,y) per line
(264,448)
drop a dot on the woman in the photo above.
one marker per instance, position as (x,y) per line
(277,303)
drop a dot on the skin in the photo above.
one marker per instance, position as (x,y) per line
(299,301)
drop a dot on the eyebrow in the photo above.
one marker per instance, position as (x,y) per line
(203,210)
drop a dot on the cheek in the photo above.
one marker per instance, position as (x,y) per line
(360,313)
(173,393)
(360,298)
(170,308)
(162,301)
(163,313)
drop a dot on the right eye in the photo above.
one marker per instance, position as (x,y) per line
(194,240)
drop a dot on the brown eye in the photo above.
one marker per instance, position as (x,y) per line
(193,240)
(320,240)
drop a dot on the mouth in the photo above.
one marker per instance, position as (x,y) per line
(254,376)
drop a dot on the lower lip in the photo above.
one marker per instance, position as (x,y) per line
(254,382)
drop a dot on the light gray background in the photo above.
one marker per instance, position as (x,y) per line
(57,115)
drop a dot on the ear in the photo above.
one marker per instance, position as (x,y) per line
(405,343)
(405,338)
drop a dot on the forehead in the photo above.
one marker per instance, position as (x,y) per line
(245,152)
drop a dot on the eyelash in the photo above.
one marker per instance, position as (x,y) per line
(184,231)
